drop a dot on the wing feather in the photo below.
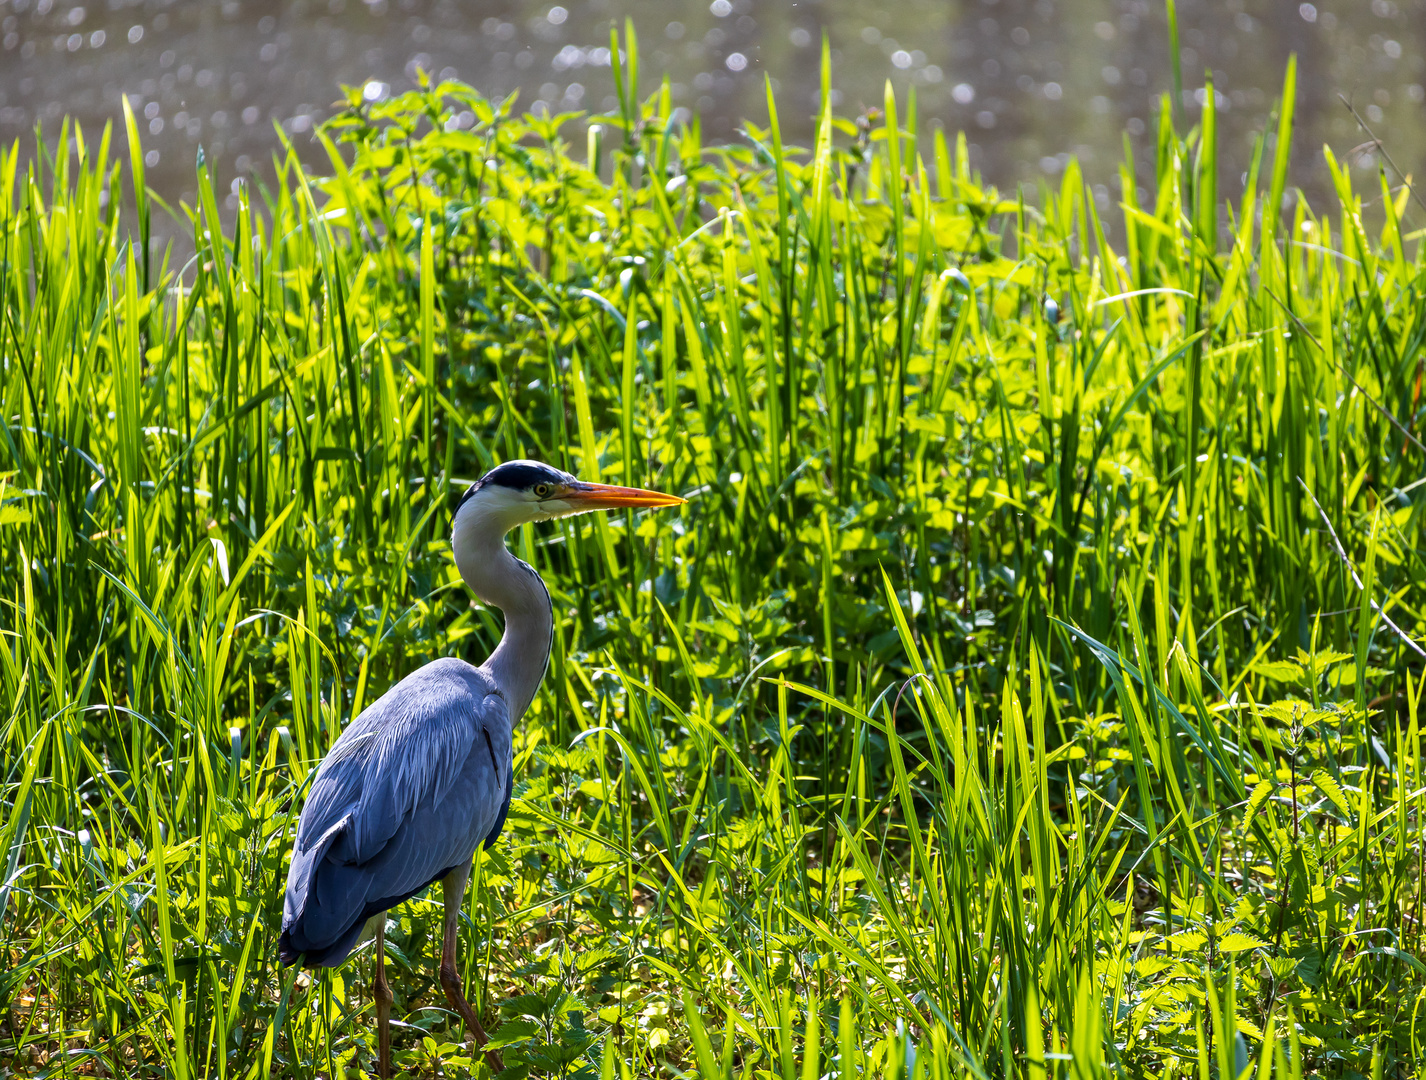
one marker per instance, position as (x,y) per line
(407,793)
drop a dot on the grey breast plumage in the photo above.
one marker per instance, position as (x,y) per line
(408,792)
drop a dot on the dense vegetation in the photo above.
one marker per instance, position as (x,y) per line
(1030,682)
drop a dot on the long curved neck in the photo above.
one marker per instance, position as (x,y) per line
(501,580)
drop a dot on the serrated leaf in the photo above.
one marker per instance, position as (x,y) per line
(532,1005)
(1279,670)
(1255,802)
(511,1032)
(1282,966)
(591,958)
(1152,965)
(1186,941)
(1319,662)
(1240,942)
(1347,675)
(1327,784)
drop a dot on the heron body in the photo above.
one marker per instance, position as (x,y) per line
(423,777)
(383,822)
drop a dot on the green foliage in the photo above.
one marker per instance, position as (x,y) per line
(1027,688)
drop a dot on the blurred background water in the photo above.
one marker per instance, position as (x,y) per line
(1030,81)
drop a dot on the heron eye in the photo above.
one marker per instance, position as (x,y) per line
(542,490)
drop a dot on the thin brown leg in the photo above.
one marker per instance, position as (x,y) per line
(382,993)
(453,893)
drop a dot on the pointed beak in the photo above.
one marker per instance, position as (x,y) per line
(582,496)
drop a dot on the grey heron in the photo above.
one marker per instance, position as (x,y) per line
(422,777)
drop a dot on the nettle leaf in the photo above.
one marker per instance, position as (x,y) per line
(555,1057)
(1327,784)
(1282,966)
(1240,942)
(512,1032)
(1255,803)
(1348,674)
(1148,966)
(1319,662)
(589,959)
(1186,941)
(1279,670)
(1309,963)
(530,1005)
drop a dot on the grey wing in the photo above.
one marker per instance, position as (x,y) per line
(406,795)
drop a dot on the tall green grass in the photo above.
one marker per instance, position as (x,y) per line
(1030,687)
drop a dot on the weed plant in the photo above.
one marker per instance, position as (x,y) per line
(1029,688)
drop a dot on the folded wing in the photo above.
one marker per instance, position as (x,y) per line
(406,794)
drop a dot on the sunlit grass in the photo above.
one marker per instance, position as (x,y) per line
(1000,693)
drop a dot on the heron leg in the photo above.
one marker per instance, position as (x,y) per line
(453,893)
(381,992)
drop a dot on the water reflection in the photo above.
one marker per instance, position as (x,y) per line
(1030,81)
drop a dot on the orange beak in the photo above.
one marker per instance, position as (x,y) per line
(584,496)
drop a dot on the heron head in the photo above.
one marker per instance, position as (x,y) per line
(521,491)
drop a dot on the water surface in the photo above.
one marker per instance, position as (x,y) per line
(1030,81)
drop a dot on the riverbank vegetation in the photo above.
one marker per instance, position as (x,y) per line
(1030,686)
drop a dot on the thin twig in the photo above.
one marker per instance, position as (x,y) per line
(1381,148)
(1342,554)
(908,682)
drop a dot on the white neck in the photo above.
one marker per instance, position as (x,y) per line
(518,663)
